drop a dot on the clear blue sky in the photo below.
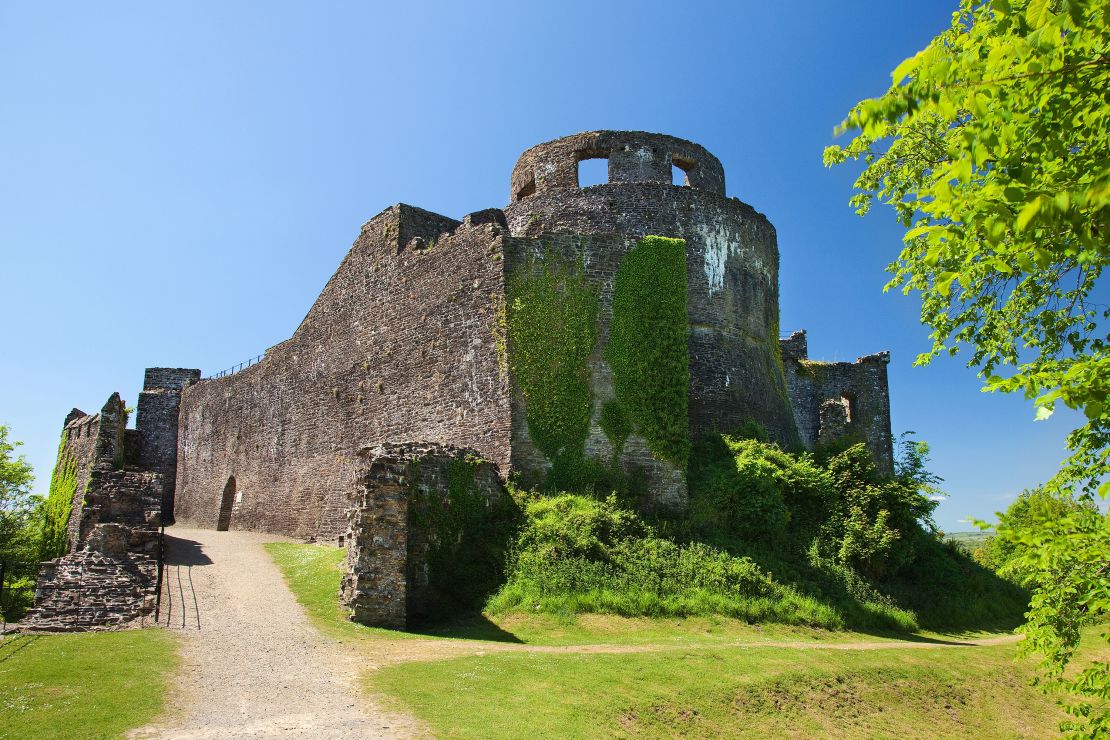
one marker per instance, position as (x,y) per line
(179,180)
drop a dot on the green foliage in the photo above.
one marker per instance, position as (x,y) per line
(20,529)
(736,489)
(596,477)
(993,147)
(19,510)
(1004,552)
(59,503)
(648,348)
(469,535)
(616,425)
(872,521)
(837,530)
(579,554)
(847,547)
(552,328)
(1058,545)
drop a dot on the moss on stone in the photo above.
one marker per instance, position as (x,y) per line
(59,503)
(616,425)
(552,327)
(648,345)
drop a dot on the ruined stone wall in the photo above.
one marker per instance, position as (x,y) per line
(390,534)
(110,577)
(156,424)
(89,442)
(399,345)
(731,251)
(833,400)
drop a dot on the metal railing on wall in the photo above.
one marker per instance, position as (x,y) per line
(235,368)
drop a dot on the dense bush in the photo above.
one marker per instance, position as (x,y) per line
(769,536)
(1003,554)
(577,554)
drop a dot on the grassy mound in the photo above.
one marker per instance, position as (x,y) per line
(822,540)
(575,555)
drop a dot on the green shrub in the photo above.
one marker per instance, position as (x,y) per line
(846,546)
(469,538)
(579,554)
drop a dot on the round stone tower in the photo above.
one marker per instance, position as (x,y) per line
(732,260)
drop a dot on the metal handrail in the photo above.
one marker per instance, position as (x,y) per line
(161,566)
(236,368)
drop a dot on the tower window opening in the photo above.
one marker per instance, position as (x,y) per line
(849,408)
(681,169)
(529,188)
(593,170)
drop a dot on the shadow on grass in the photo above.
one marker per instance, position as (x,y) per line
(470,626)
(12,645)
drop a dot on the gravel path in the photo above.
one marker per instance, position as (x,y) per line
(252,664)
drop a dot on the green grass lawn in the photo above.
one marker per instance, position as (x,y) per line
(700,677)
(91,685)
(733,692)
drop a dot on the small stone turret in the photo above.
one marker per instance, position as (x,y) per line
(156,423)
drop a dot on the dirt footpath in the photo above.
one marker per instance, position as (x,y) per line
(252,664)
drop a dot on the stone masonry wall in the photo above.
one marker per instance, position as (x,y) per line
(89,442)
(387,571)
(156,424)
(399,345)
(109,579)
(832,400)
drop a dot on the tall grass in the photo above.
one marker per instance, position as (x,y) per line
(576,555)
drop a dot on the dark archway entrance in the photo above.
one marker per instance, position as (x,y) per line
(224,522)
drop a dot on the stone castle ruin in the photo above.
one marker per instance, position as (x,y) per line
(576,330)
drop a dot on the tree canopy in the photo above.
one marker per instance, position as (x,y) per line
(17,506)
(993,147)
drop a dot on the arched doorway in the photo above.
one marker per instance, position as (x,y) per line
(224,522)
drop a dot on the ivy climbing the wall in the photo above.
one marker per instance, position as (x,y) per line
(467,535)
(552,322)
(59,503)
(647,346)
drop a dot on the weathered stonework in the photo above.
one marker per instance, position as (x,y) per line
(156,425)
(834,400)
(388,540)
(400,345)
(731,256)
(108,580)
(88,443)
(108,576)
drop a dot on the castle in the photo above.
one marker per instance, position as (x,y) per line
(602,326)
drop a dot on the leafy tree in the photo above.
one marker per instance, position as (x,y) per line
(993,148)
(18,508)
(1004,552)
(20,528)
